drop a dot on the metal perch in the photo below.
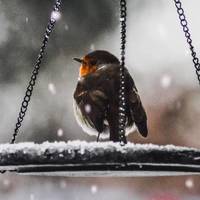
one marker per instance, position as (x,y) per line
(99,159)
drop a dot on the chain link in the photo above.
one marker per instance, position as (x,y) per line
(29,90)
(186,30)
(122,100)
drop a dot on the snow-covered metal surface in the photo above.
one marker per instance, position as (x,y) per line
(79,158)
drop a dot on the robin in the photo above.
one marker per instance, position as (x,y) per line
(97,95)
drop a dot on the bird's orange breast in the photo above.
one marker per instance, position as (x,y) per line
(84,70)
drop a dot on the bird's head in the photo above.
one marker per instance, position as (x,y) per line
(92,61)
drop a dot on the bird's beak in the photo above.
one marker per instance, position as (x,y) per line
(78,60)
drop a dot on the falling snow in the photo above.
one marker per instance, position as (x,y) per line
(63,184)
(88,108)
(92,47)
(94,189)
(162,31)
(52,88)
(165,81)
(32,197)
(6,183)
(66,27)
(187,52)
(189,183)
(27,19)
(60,132)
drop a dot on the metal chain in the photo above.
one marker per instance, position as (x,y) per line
(122,100)
(35,72)
(186,30)
(29,90)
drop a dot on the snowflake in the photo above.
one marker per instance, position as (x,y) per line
(27,19)
(32,197)
(60,132)
(63,184)
(88,108)
(162,31)
(52,88)
(92,47)
(66,27)
(6,183)
(94,189)
(166,81)
(189,183)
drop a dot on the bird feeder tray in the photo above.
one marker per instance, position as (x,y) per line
(106,159)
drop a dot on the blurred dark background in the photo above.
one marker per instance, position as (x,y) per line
(157,57)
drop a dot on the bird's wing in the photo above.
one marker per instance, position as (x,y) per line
(136,108)
(93,105)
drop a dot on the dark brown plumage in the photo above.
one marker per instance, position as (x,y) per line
(96,96)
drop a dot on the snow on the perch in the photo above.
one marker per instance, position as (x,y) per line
(39,149)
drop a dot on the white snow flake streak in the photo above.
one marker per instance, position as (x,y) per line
(27,19)
(189,183)
(165,81)
(52,88)
(88,108)
(59,132)
(66,27)
(32,197)
(6,183)
(94,189)
(63,184)
(92,47)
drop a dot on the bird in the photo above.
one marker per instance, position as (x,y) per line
(96,97)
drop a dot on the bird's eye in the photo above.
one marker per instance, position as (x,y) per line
(93,62)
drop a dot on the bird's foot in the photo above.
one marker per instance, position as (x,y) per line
(98,137)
